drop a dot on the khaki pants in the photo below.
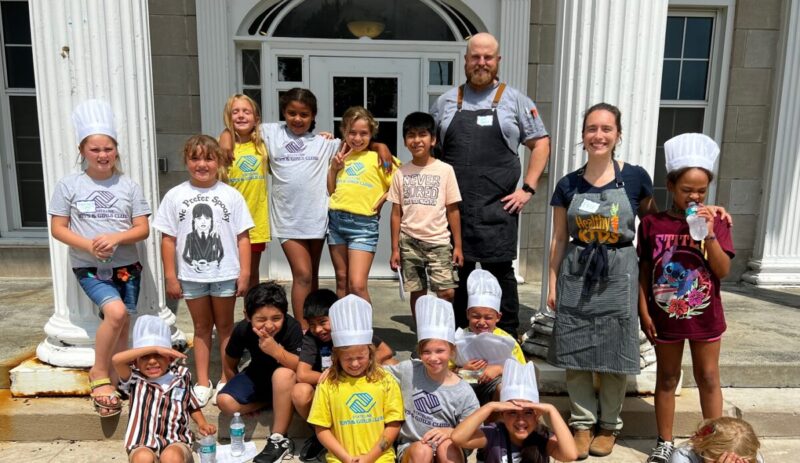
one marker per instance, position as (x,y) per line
(583,399)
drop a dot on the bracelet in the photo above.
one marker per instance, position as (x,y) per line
(710,238)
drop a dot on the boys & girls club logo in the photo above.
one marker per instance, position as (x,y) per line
(295,146)
(426,403)
(102,199)
(248,163)
(360,402)
(355,169)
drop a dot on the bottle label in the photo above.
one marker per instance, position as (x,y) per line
(237,432)
(212,448)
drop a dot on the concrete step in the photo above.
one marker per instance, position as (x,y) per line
(772,412)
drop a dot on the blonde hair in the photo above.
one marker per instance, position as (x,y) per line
(421,345)
(374,371)
(355,113)
(255,135)
(115,169)
(206,144)
(725,434)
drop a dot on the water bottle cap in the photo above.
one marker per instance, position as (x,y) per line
(236,414)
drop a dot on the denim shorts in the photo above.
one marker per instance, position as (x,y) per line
(195,289)
(124,286)
(358,232)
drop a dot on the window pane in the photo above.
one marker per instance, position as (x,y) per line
(16,23)
(669,80)
(28,160)
(382,96)
(698,38)
(387,133)
(278,105)
(674,40)
(440,73)
(290,69)
(671,122)
(431,100)
(19,66)
(693,80)
(347,92)
(255,94)
(251,67)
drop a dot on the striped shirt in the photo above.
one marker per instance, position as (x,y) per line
(159,415)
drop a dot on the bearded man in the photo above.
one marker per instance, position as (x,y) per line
(480,127)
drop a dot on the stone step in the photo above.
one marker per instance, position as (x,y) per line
(772,412)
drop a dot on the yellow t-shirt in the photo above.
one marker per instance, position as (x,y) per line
(248,175)
(356,411)
(361,183)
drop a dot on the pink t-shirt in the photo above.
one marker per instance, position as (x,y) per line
(684,298)
(424,194)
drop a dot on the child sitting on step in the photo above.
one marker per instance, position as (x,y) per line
(721,440)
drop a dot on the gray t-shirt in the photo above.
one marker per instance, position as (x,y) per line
(429,404)
(299,166)
(96,207)
(517,114)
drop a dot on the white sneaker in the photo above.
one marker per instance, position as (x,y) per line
(219,387)
(203,393)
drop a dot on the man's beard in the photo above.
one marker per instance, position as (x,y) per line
(481,79)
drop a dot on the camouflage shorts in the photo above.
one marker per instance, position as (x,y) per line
(416,256)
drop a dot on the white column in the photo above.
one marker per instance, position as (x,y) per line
(611,51)
(776,257)
(515,29)
(214,47)
(94,49)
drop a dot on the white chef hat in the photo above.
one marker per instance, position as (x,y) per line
(93,117)
(435,319)
(519,382)
(150,331)
(691,150)
(483,290)
(351,321)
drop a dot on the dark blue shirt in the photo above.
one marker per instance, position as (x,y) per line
(638,186)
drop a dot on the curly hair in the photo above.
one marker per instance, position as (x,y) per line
(725,434)
(355,113)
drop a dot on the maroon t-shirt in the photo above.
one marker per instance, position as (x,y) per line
(684,298)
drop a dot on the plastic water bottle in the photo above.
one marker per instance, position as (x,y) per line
(208,449)
(105,269)
(697,224)
(237,435)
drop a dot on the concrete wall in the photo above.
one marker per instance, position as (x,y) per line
(747,118)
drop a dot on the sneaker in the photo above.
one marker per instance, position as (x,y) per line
(662,452)
(278,447)
(312,449)
(219,387)
(203,393)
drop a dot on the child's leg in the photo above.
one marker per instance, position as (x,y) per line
(358,272)
(582,399)
(668,373)
(302,396)
(223,320)
(339,260)
(303,257)
(414,296)
(283,380)
(448,452)
(705,365)
(203,320)
(243,395)
(418,452)
(108,338)
(176,453)
(255,263)
(142,455)
(446,294)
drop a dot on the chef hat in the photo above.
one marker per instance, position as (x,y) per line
(483,290)
(93,117)
(519,382)
(151,331)
(351,321)
(691,150)
(435,319)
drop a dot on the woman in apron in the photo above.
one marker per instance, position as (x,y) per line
(594,280)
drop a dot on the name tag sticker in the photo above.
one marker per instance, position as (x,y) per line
(85,206)
(589,206)
(485,121)
(177,393)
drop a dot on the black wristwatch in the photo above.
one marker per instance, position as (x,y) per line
(527,189)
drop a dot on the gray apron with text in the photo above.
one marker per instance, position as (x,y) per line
(597,323)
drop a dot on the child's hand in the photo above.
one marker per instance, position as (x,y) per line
(649,328)
(436,436)
(326,135)
(266,343)
(384,156)
(394,261)
(475,364)
(489,373)
(242,284)
(730,457)
(103,246)
(174,290)
(722,213)
(207,429)
(458,257)
(708,214)
(171,354)
(509,406)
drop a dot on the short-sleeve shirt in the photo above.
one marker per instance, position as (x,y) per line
(299,166)
(429,404)
(248,174)
(685,454)
(497,446)
(517,114)
(361,183)
(205,223)
(357,411)
(318,354)
(424,192)
(684,300)
(290,336)
(638,186)
(96,207)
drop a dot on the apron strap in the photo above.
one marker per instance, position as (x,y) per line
(460,98)
(498,94)
(617,174)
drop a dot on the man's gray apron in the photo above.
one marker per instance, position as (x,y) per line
(487,170)
(597,323)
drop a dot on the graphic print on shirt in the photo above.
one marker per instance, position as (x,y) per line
(682,285)
(426,405)
(203,248)
(295,150)
(99,204)
(352,173)
(361,405)
(250,166)
(596,226)
(421,189)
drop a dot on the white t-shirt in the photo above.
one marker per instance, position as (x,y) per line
(299,165)
(205,223)
(96,207)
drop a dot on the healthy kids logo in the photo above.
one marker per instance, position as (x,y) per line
(102,199)
(248,163)
(360,402)
(355,169)
(426,403)
(597,227)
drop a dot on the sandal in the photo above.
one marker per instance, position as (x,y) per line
(113,408)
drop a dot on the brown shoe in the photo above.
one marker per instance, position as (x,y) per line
(583,437)
(603,443)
